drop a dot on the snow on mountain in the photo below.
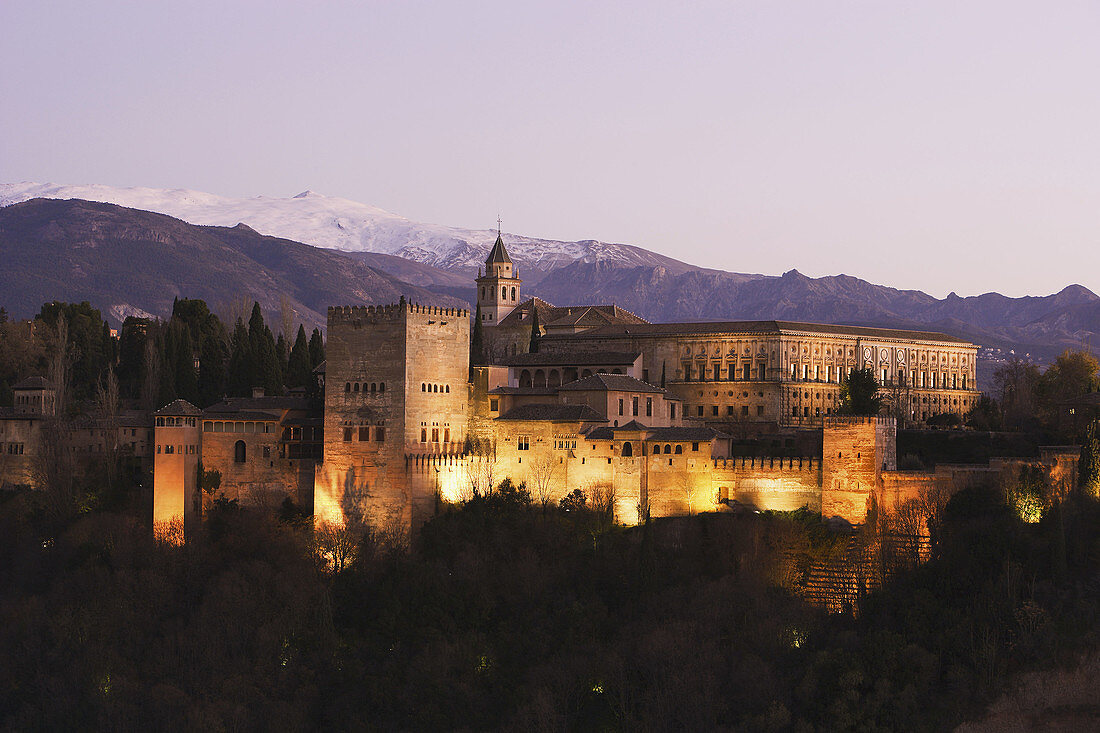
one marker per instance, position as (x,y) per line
(338,223)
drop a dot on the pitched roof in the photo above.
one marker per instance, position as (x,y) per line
(255,408)
(573,316)
(178,407)
(524,390)
(610,382)
(758,327)
(32,383)
(557,413)
(498,254)
(579,358)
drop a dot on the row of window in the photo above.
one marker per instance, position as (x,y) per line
(363,434)
(444,388)
(648,406)
(733,372)
(183,450)
(714,411)
(435,435)
(175,422)
(628,449)
(218,426)
(372,388)
(14,449)
(503,293)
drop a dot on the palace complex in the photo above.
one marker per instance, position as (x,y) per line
(651,419)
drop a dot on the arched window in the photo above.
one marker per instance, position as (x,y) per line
(679,449)
(239,452)
(513,293)
(373,387)
(423,387)
(347,386)
(668,448)
(628,450)
(448,389)
(381,386)
(525,378)
(356,387)
(503,293)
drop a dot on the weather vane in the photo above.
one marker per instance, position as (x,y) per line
(498,225)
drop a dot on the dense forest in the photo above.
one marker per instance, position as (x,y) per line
(192,355)
(506,614)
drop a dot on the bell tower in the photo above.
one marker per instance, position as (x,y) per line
(498,290)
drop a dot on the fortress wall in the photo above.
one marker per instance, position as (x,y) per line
(782,483)
(260,480)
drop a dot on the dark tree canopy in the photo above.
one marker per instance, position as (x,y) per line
(859,393)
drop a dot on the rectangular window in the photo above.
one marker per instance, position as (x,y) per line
(729,410)
(494,405)
(687,371)
(347,435)
(700,410)
(446,435)
(884,376)
(423,435)
(762,370)
(759,410)
(523,442)
(695,446)
(649,407)
(817,374)
(379,435)
(672,410)
(732,372)
(364,434)
(717,370)
(435,435)
(744,410)
(804,372)
(714,410)
(747,369)
(620,406)
(634,405)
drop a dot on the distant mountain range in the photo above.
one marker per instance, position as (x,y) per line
(129,262)
(383,255)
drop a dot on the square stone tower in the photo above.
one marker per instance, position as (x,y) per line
(395,390)
(855,452)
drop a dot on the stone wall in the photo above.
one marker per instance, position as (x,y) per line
(414,363)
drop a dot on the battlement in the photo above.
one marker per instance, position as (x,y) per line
(769,463)
(393,312)
(842,421)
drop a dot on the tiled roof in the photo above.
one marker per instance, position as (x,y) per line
(179,407)
(758,327)
(524,390)
(671,435)
(579,316)
(579,358)
(555,412)
(610,382)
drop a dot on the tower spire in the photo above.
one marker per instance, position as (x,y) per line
(498,224)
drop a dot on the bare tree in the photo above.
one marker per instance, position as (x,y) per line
(540,475)
(286,319)
(107,410)
(602,498)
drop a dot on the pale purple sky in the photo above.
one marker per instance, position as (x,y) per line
(932,145)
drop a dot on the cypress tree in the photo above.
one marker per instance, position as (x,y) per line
(166,346)
(282,354)
(299,371)
(477,341)
(536,332)
(187,383)
(316,349)
(240,362)
(212,368)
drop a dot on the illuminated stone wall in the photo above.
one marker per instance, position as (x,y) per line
(395,388)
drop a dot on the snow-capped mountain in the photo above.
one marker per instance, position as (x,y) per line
(338,223)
